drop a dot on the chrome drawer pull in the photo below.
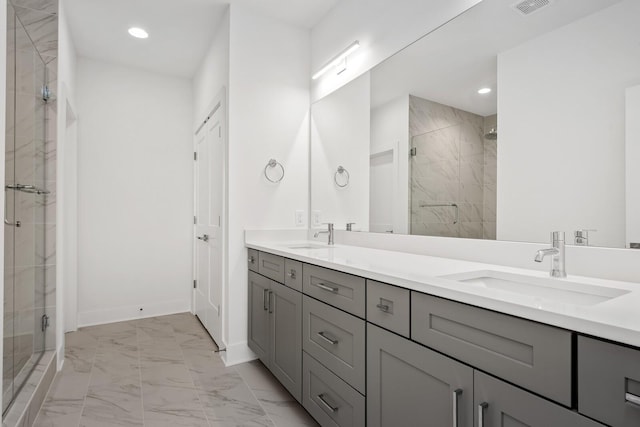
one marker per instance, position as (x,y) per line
(632,398)
(481,408)
(456,394)
(264,299)
(270,306)
(327,339)
(326,288)
(251,260)
(327,404)
(383,307)
(292,274)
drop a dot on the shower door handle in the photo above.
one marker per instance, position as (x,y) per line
(6,221)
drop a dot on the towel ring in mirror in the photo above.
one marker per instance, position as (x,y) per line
(273,163)
(341,172)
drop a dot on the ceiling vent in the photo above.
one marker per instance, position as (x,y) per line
(527,7)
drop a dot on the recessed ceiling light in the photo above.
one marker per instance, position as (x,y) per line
(484,90)
(138,33)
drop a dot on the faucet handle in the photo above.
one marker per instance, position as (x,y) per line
(581,236)
(350,226)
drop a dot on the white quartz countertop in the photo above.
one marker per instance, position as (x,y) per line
(617,319)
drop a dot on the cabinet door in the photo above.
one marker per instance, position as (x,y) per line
(500,404)
(410,385)
(286,338)
(258,339)
(609,382)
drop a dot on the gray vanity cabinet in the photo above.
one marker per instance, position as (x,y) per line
(275,330)
(498,404)
(286,338)
(410,385)
(258,338)
(609,382)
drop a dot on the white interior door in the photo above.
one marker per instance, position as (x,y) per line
(209,204)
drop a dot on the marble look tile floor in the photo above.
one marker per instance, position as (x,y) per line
(161,371)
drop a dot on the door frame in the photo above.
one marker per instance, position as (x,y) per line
(217,105)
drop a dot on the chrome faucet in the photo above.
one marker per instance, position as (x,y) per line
(557,254)
(329,231)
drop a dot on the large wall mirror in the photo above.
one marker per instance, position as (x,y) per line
(506,123)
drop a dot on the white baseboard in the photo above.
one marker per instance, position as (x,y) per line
(121,314)
(237,353)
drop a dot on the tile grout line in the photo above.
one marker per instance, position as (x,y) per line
(93,362)
(195,387)
(255,396)
(140,372)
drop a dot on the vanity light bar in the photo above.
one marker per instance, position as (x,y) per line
(337,59)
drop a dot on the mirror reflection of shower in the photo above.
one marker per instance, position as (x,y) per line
(492,135)
(452,171)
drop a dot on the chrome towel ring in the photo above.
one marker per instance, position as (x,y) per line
(273,163)
(342,172)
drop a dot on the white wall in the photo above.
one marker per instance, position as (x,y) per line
(561,158)
(632,156)
(213,73)
(383,27)
(66,186)
(135,193)
(340,132)
(268,118)
(390,191)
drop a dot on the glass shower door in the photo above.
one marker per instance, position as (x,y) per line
(25,211)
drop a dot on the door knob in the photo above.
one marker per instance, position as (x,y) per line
(204,237)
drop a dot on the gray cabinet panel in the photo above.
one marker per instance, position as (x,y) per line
(535,356)
(388,306)
(409,385)
(252,260)
(271,266)
(286,338)
(609,375)
(331,401)
(258,334)
(336,339)
(293,274)
(341,290)
(509,406)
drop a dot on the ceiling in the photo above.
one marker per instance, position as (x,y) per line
(180,31)
(450,64)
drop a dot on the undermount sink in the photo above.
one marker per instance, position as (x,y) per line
(308,246)
(555,290)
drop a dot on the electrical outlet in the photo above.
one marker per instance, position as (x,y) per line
(316,218)
(299,218)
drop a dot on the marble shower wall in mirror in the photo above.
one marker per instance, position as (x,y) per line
(453,171)
(544,150)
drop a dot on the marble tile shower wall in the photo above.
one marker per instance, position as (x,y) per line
(34,157)
(449,167)
(490,179)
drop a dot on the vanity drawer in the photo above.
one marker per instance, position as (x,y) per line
(534,356)
(609,382)
(341,290)
(329,399)
(293,274)
(271,266)
(388,306)
(252,260)
(336,339)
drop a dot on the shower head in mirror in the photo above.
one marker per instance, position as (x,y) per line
(492,135)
